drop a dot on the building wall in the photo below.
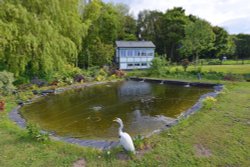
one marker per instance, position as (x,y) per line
(134,58)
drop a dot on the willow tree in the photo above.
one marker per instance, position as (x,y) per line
(39,37)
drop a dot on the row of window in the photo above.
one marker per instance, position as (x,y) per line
(124,53)
(137,64)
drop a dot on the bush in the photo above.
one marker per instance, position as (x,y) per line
(214,62)
(157,67)
(233,77)
(247,77)
(6,82)
(35,133)
(67,75)
(185,63)
(208,102)
(101,75)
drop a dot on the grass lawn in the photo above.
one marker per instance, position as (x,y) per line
(216,137)
(236,69)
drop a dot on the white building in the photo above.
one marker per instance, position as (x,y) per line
(134,54)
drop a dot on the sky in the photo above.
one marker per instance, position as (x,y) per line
(233,15)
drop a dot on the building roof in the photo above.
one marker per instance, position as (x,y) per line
(135,44)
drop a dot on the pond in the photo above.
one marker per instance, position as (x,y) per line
(87,113)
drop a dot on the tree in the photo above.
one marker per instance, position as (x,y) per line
(127,29)
(174,22)
(223,44)
(39,37)
(149,27)
(242,42)
(104,29)
(199,36)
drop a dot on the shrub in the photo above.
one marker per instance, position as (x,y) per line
(2,103)
(6,82)
(35,133)
(79,78)
(247,77)
(101,75)
(139,142)
(208,102)
(38,82)
(233,77)
(157,67)
(214,62)
(185,63)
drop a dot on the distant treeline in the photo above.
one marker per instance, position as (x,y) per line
(40,37)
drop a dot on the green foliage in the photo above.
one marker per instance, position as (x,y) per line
(101,75)
(139,142)
(35,133)
(101,56)
(6,82)
(199,36)
(150,27)
(214,62)
(247,77)
(185,63)
(242,46)
(68,72)
(174,25)
(38,38)
(209,102)
(223,44)
(157,67)
(233,77)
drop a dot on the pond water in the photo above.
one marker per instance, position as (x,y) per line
(87,113)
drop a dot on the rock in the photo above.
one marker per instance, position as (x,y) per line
(38,82)
(80,163)
(79,78)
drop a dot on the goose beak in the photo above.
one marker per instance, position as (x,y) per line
(115,120)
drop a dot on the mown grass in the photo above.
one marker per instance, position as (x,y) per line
(216,137)
(236,69)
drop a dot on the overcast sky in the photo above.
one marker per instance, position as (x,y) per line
(233,15)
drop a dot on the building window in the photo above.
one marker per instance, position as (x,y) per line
(143,53)
(137,64)
(130,53)
(130,65)
(137,53)
(144,64)
(150,53)
(123,53)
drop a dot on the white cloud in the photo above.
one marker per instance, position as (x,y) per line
(217,12)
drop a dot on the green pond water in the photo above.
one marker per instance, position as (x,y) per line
(87,113)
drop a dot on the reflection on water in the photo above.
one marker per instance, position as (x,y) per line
(88,112)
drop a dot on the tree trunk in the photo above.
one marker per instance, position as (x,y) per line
(172,52)
(196,58)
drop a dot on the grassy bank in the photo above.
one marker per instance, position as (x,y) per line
(216,137)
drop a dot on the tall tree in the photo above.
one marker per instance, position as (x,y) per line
(199,36)
(223,44)
(242,42)
(39,37)
(174,22)
(149,27)
(105,26)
